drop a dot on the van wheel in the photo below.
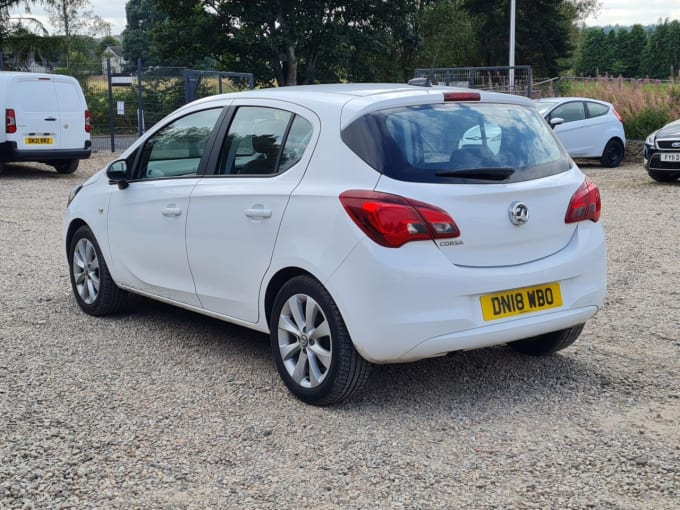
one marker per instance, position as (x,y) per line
(66,166)
(312,348)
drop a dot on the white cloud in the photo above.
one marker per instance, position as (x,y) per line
(112,11)
(630,12)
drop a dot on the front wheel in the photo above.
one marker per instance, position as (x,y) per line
(67,166)
(613,154)
(94,289)
(312,349)
(549,342)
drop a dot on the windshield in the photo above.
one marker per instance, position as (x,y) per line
(455,141)
(543,106)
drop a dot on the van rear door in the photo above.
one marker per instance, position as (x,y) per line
(36,107)
(72,113)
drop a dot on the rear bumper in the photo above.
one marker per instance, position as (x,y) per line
(9,152)
(412,303)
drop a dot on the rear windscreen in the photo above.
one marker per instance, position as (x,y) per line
(457,141)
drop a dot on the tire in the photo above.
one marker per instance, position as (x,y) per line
(67,166)
(613,153)
(312,349)
(549,342)
(664,176)
(94,289)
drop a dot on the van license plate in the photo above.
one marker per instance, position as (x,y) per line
(519,301)
(39,140)
(670,157)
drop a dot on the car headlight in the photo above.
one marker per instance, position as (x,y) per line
(73,194)
(650,139)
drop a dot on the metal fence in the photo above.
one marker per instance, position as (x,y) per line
(516,80)
(123,106)
(136,102)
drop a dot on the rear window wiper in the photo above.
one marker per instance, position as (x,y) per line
(490,174)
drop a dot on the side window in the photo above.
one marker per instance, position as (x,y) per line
(570,112)
(176,149)
(254,141)
(298,138)
(596,109)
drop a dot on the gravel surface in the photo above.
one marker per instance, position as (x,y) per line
(160,408)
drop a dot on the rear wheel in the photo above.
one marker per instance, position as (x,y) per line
(67,166)
(94,289)
(664,176)
(312,349)
(613,154)
(549,342)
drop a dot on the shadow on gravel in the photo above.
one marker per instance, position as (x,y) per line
(31,171)
(462,379)
(478,377)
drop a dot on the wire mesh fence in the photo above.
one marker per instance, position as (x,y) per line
(516,80)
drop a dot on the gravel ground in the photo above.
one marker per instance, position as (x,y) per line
(159,408)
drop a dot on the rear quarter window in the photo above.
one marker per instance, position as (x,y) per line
(429,143)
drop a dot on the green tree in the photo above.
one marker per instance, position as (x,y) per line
(287,41)
(72,18)
(542,35)
(592,48)
(142,17)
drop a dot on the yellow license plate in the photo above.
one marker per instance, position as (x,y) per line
(44,140)
(519,301)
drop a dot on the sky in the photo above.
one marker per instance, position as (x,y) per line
(613,12)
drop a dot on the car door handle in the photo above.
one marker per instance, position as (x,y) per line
(171,210)
(258,212)
(51,119)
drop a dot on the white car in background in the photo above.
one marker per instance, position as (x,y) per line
(355,224)
(588,128)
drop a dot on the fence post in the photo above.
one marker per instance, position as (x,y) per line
(140,104)
(111,125)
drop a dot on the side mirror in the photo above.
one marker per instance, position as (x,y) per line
(556,122)
(117,172)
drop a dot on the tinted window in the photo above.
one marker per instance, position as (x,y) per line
(596,109)
(427,143)
(264,141)
(177,148)
(569,112)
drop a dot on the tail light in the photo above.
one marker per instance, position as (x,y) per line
(10,121)
(616,114)
(585,203)
(392,220)
(88,126)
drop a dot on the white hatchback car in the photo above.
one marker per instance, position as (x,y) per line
(355,224)
(588,128)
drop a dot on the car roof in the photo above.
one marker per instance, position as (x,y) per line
(556,100)
(356,99)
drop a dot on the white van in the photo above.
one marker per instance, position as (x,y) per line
(46,120)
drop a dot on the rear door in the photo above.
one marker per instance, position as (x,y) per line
(36,107)
(71,115)
(503,221)
(235,215)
